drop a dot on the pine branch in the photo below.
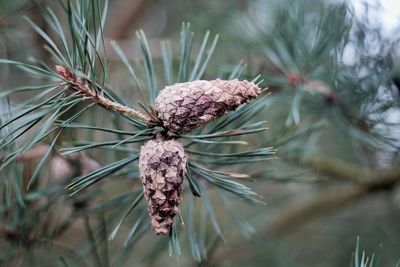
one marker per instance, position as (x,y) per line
(83,87)
(13,235)
(332,200)
(202,101)
(300,212)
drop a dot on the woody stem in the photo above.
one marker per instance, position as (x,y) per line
(84,89)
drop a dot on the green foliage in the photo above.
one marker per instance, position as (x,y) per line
(57,108)
(363,260)
(331,120)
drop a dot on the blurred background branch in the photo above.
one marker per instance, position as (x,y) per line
(333,113)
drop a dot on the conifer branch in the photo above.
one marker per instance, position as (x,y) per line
(331,200)
(13,234)
(83,87)
(326,202)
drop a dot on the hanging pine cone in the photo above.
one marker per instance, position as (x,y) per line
(182,107)
(162,167)
(185,106)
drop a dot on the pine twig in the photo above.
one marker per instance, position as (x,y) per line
(333,199)
(12,234)
(299,213)
(362,186)
(83,87)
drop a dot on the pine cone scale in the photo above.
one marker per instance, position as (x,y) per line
(162,167)
(182,107)
(185,106)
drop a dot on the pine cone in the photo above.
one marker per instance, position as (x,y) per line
(185,106)
(162,167)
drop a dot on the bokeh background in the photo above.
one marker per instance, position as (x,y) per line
(332,68)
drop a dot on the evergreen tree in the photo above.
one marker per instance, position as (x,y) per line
(199,149)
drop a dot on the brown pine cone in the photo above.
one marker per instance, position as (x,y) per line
(162,167)
(185,106)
